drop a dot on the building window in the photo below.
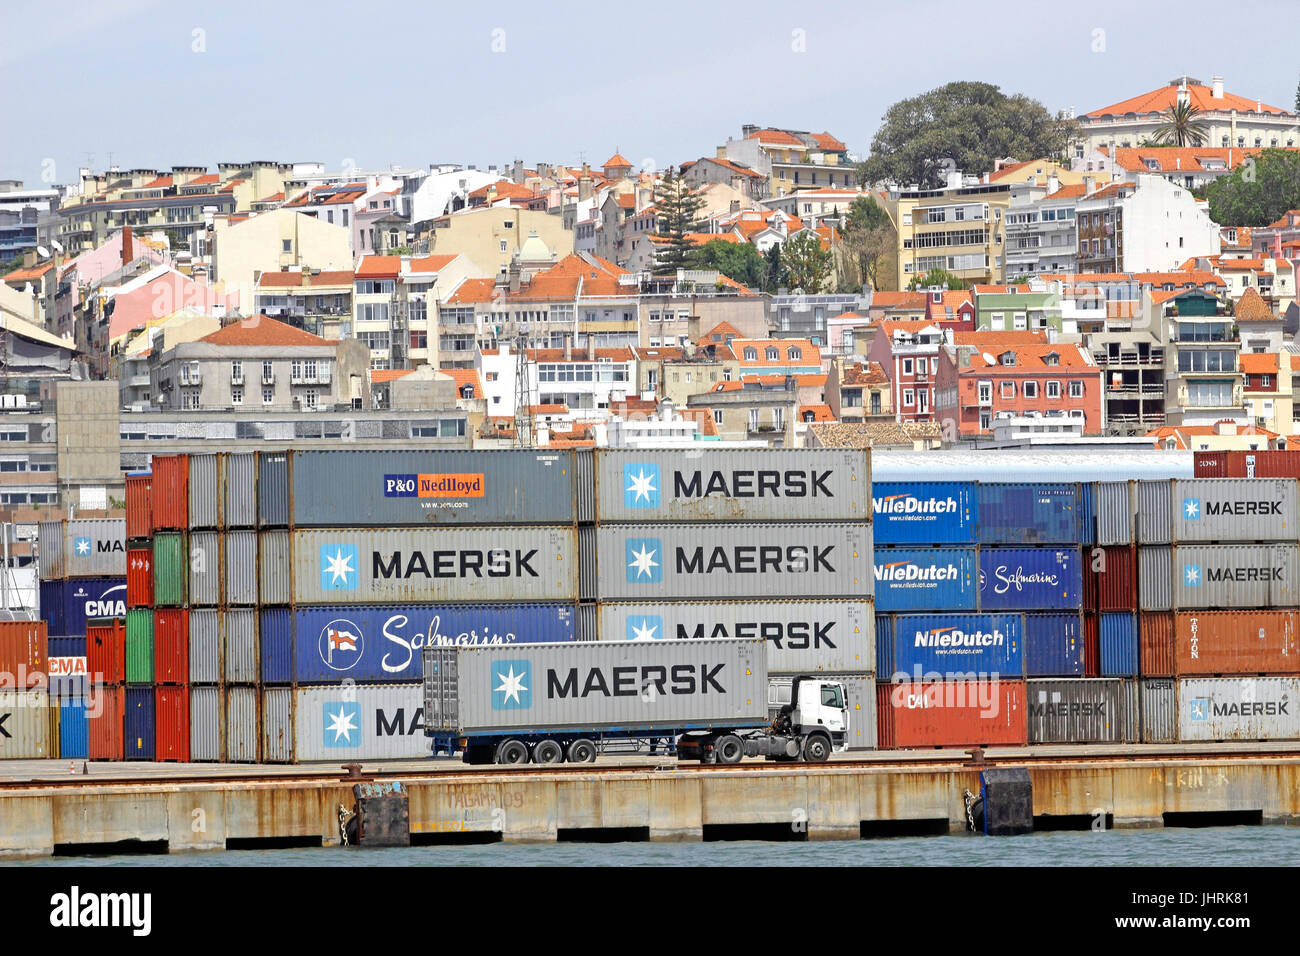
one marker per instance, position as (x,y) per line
(268,396)
(309,398)
(503,245)
(751,354)
(907,366)
(985,393)
(236,372)
(1076,390)
(286,245)
(875,403)
(1031,389)
(717,416)
(909,398)
(794,354)
(773,355)
(1007,389)
(753,419)
(1053,389)
(268,372)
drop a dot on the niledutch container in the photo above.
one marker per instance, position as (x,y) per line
(139,505)
(1233,509)
(1238,708)
(170,494)
(25,718)
(205,499)
(69,604)
(1054,645)
(729,561)
(1237,642)
(372,722)
(1030,513)
(140,728)
(925,579)
(1082,711)
(1193,576)
(947,646)
(802,636)
(82,547)
(924,512)
(171,569)
(1030,579)
(24,653)
(859,696)
(951,713)
(748,484)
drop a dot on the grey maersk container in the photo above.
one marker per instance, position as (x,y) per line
(363,722)
(81,548)
(240,490)
(205,491)
(757,484)
(1234,509)
(1115,513)
(593,686)
(727,561)
(205,569)
(1237,708)
(1229,576)
(1082,710)
(241,567)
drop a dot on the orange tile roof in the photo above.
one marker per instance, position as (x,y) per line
(35,272)
(1112,191)
(988,338)
(274,197)
(502,189)
(549,409)
(725,164)
(379,267)
(1252,308)
(473,290)
(821,413)
(617,354)
(380,375)
(432,263)
(1161,100)
(722,329)
(293,280)
(1182,159)
(1000,289)
(898,300)
(162,182)
(776,137)
(263,330)
(1068,192)
(859,374)
(463,377)
(1255,364)
(810,353)
(1028,358)
(616,160)
(811,381)
(828,142)
(208,179)
(626,200)
(1181,433)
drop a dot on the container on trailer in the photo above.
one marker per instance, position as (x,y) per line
(139,646)
(373,722)
(925,579)
(1030,579)
(1118,636)
(275,644)
(802,636)
(106,651)
(241,724)
(1155,578)
(139,577)
(171,643)
(277,725)
(1210,464)
(1110,580)
(240,490)
(924,512)
(241,567)
(1030,513)
(67,605)
(172,711)
(1115,511)
(1155,522)
(81,548)
(1234,509)
(141,726)
(274,556)
(24,653)
(1237,642)
(241,660)
(1238,708)
(1087,710)
(273,489)
(205,567)
(951,714)
(1156,644)
(207,724)
(734,484)
(1054,645)
(926,647)
(1158,704)
(74,743)
(205,497)
(139,505)
(205,646)
(25,718)
(1232,576)
(170,493)
(105,711)
(859,695)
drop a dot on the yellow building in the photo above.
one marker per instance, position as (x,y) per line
(492,237)
(273,241)
(961,229)
(1038,172)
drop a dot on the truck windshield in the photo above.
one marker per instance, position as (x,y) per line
(832,695)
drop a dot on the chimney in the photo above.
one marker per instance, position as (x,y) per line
(1053,182)
(128,247)
(722,152)
(1089,185)
(1217,87)
(514,276)
(568,347)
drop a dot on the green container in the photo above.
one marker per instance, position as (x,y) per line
(171,570)
(139,646)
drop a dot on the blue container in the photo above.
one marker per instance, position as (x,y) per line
(1088,513)
(68,646)
(68,604)
(1030,579)
(277,645)
(928,647)
(140,725)
(1053,645)
(1030,513)
(924,512)
(1118,637)
(925,579)
(74,735)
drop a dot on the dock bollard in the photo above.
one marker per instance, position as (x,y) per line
(1007,798)
(382,814)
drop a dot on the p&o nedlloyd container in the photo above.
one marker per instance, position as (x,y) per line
(1192,576)
(1234,509)
(82,547)
(925,579)
(924,512)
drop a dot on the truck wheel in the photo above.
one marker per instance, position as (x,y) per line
(548,751)
(816,749)
(729,749)
(512,751)
(582,751)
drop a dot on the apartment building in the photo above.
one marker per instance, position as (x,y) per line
(314,300)
(908,352)
(792,160)
(1147,225)
(763,409)
(1203,378)
(1042,234)
(20,211)
(812,316)
(960,229)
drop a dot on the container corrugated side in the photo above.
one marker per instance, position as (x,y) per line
(924,512)
(1023,513)
(171,569)
(1156,644)
(926,647)
(205,569)
(1237,642)
(955,713)
(207,724)
(139,646)
(67,605)
(140,724)
(240,491)
(241,567)
(104,717)
(733,484)
(1266,463)
(1158,703)
(1234,509)
(273,489)
(25,717)
(1236,575)
(1054,645)
(170,495)
(363,722)
(1114,513)
(81,548)
(241,652)
(1118,633)
(274,573)
(277,724)
(1155,578)
(205,491)
(1030,579)
(1210,464)
(139,505)
(1239,708)
(1110,578)
(172,727)
(205,646)
(925,579)
(139,577)
(275,644)
(24,653)
(1082,711)
(859,696)
(1155,521)
(171,641)
(74,736)
(584,475)
(106,652)
(241,724)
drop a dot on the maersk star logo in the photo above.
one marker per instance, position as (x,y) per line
(512,685)
(338,567)
(643,561)
(646,627)
(641,486)
(82,547)
(1192,509)
(1192,575)
(342,724)
(1200,708)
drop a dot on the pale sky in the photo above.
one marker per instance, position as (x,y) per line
(159,84)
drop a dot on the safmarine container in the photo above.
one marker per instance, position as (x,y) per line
(1234,509)
(415,565)
(82,547)
(802,636)
(106,704)
(1156,644)
(207,724)
(240,490)
(25,720)
(1030,513)
(374,722)
(139,646)
(358,487)
(1235,575)
(141,729)
(1115,510)
(1238,708)
(170,492)
(205,646)
(1054,645)
(205,498)
(859,695)
(241,659)
(172,710)
(951,714)
(1237,642)
(106,651)
(24,653)
(171,569)
(241,724)
(1085,710)
(67,605)
(924,512)
(139,505)
(1118,632)
(1155,520)
(241,567)
(927,647)
(171,640)
(205,569)
(1030,579)
(74,743)
(730,561)
(734,484)
(925,579)
(139,577)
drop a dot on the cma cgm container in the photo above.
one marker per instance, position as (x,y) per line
(82,547)
(24,653)
(1221,708)
(69,604)
(1030,579)
(25,718)
(363,722)
(924,512)
(170,494)
(1237,642)
(945,646)
(473,565)
(801,636)
(139,505)
(1031,513)
(1054,645)
(925,579)
(951,714)
(357,488)
(727,561)
(1233,509)
(1082,711)
(1192,576)
(748,484)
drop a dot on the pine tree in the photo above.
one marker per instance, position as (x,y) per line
(773,269)
(677,209)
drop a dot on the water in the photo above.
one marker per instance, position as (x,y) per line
(1211,846)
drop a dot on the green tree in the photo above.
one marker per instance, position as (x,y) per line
(807,264)
(774,275)
(678,212)
(1183,126)
(936,277)
(869,242)
(1258,191)
(735,260)
(972,124)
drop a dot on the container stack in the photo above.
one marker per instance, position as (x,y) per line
(29,722)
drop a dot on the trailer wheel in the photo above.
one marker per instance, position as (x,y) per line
(817,749)
(582,751)
(729,749)
(512,751)
(548,751)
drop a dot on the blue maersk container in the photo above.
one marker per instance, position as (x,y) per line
(925,579)
(924,512)
(68,604)
(1053,645)
(1118,639)
(1030,579)
(1030,513)
(944,646)
(140,725)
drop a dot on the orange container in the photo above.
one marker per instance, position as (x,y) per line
(951,714)
(171,492)
(104,710)
(1156,644)
(24,653)
(139,506)
(172,717)
(1236,642)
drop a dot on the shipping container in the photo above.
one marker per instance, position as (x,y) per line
(1158,703)
(1087,513)
(106,651)
(1110,580)
(68,605)
(734,484)
(1030,579)
(171,643)
(205,569)
(172,710)
(1211,464)
(277,725)
(171,569)
(925,579)
(205,646)
(81,548)
(1238,708)
(374,722)
(802,636)
(241,724)
(1155,522)
(139,646)
(1083,711)
(1118,636)
(859,695)
(1030,513)
(74,743)
(1234,509)
(24,654)
(924,512)
(170,493)
(273,560)
(205,497)
(105,712)
(139,577)
(207,724)
(139,505)
(240,490)
(1268,463)
(273,490)
(1054,645)
(1155,578)
(1237,642)
(141,726)
(1232,576)
(951,714)
(1115,507)
(1156,644)
(25,718)
(66,647)
(275,644)
(241,660)
(241,567)
(928,647)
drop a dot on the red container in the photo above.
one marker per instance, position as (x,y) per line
(106,652)
(1091,646)
(1237,642)
(24,653)
(105,705)
(1156,644)
(171,492)
(1262,464)
(1210,464)
(172,713)
(171,646)
(139,506)
(1110,578)
(951,714)
(139,577)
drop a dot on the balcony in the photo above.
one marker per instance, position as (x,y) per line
(237,379)
(268,378)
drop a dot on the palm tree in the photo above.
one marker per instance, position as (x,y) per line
(1182,126)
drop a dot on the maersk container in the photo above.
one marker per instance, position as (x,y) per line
(171,642)
(172,724)
(277,725)
(241,724)
(1156,644)
(802,636)
(369,721)
(415,565)
(81,548)
(1030,513)
(1155,522)
(241,567)
(1115,510)
(1234,509)
(139,577)
(275,644)
(1155,578)
(353,488)
(1235,642)
(593,686)
(1233,576)
(25,718)
(207,724)
(925,579)
(927,647)
(139,646)
(241,660)
(1054,645)
(1158,704)
(859,695)
(1118,633)
(171,492)
(141,726)
(139,505)
(171,569)
(74,742)
(273,489)
(924,512)
(1086,710)
(1030,579)
(205,496)
(735,484)
(1238,708)
(240,490)
(67,605)
(205,569)
(273,559)
(205,646)
(951,714)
